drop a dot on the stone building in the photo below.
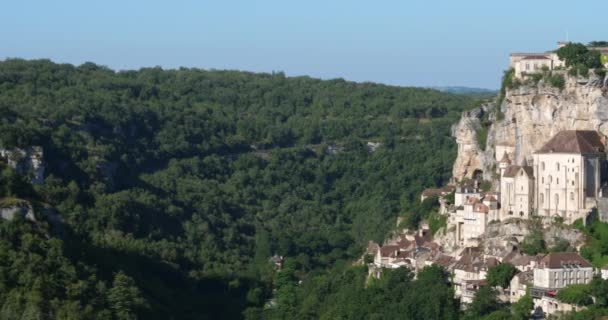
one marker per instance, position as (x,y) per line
(470,219)
(568,174)
(556,271)
(560,269)
(516,192)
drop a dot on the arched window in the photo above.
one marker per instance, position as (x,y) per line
(557,181)
(550,178)
(571,195)
(521,213)
(556,199)
(557,166)
(543,180)
(542,166)
(542,198)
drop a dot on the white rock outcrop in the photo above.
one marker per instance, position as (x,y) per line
(532,115)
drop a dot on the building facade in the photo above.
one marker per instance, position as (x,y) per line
(568,174)
(516,192)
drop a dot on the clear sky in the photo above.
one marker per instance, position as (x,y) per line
(406,42)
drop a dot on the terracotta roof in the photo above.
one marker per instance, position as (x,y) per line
(525,277)
(388,251)
(480,207)
(472,200)
(511,171)
(560,260)
(431,192)
(490,199)
(574,141)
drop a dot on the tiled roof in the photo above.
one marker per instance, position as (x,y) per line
(388,251)
(511,171)
(480,207)
(472,200)
(574,141)
(560,260)
(490,199)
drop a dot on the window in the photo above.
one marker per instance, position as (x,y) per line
(510,213)
(542,166)
(556,199)
(542,198)
(571,195)
(521,213)
(550,178)
(557,166)
(527,66)
(542,180)
(557,181)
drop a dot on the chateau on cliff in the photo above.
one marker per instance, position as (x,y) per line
(526,63)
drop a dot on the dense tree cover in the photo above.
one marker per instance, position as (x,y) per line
(175,187)
(501,275)
(485,303)
(344,294)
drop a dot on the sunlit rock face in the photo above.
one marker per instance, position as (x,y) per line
(532,115)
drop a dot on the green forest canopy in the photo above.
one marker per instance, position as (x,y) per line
(176,186)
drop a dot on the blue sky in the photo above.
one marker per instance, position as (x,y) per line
(419,43)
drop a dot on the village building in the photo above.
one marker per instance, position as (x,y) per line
(568,174)
(556,271)
(604,272)
(440,192)
(467,190)
(560,269)
(471,218)
(469,273)
(519,285)
(516,191)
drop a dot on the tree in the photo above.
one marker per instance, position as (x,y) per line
(598,44)
(484,303)
(578,294)
(501,275)
(523,307)
(599,290)
(578,54)
(125,298)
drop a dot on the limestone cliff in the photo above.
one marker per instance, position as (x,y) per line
(530,115)
(471,157)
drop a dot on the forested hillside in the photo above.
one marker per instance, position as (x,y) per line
(176,186)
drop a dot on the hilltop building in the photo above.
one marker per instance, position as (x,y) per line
(527,63)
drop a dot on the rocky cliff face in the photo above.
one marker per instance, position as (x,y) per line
(471,159)
(27,161)
(532,115)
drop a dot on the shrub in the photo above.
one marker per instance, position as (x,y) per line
(482,137)
(579,70)
(557,81)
